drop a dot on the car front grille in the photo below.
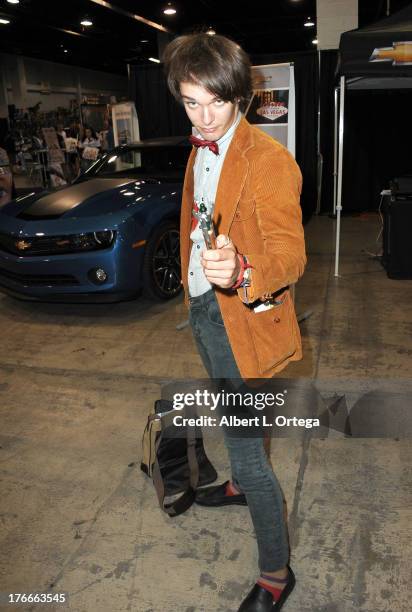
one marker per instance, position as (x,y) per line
(29,246)
(39,280)
(56,245)
(7,243)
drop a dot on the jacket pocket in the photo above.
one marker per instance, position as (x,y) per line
(273,333)
(245,210)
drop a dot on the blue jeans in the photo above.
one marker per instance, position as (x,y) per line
(251,470)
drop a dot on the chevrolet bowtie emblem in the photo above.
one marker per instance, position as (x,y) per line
(400,54)
(22,245)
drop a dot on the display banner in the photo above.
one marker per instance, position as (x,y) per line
(125,123)
(56,155)
(272,106)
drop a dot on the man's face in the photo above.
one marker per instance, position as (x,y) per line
(211,116)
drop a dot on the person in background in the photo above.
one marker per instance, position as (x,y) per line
(61,135)
(9,145)
(90,147)
(38,141)
(75,133)
(90,139)
(76,130)
(106,136)
(7,188)
(4,158)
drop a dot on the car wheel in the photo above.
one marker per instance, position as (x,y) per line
(161,268)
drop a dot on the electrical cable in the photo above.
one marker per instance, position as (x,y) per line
(384,193)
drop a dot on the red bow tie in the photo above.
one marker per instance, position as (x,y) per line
(198,142)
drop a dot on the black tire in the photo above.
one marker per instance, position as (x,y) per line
(161,267)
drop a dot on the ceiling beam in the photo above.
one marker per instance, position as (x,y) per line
(116,9)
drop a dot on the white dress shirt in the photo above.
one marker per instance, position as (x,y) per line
(207,168)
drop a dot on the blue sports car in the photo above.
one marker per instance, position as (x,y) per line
(110,234)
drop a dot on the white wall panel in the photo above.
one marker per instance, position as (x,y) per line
(333,18)
(60,81)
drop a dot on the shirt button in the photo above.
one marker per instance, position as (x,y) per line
(207,169)
(191,274)
(198,246)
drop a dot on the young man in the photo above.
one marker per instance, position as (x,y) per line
(241,312)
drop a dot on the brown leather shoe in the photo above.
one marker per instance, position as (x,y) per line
(216,496)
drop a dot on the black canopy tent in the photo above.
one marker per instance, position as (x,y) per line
(377,57)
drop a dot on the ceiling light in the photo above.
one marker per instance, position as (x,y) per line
(315,41)
(4,21)
(210,31)
(144,40)
(86,22)
(65,51)
(153,59)
(13,1)
(309,23)
(169,10)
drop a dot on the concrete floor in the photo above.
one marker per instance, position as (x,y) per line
(78,516)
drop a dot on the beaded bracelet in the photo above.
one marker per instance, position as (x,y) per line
(244,265)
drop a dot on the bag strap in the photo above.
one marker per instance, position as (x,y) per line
(182,503)
(192,458)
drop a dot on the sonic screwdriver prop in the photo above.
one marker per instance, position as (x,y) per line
(206,225)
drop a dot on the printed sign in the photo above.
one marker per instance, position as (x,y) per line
(90,153)
(71,145)
(125,123)
(272,106)
(269,106)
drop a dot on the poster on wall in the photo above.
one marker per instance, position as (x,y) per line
(94,115)
(125,123)
(272,106)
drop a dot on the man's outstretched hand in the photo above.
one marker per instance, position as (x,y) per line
(221,265)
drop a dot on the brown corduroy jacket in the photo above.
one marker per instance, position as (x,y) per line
(257,205)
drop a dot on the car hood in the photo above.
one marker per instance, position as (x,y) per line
(90,198)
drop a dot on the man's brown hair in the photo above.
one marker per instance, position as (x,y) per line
(215,62)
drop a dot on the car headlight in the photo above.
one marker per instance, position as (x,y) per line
(105,238)
(87,242)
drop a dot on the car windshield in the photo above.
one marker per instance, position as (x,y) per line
(163,163)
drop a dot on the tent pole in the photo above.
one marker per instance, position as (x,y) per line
(335,150)
(319,154)
(340,164)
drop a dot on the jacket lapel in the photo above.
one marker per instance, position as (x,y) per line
(232,178)
(186,216)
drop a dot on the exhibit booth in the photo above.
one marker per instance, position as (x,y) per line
(373,127)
